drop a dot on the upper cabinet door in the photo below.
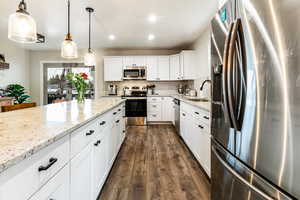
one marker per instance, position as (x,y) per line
(163,68)
(152,65)
(140,61)
(113,68)
(175,67)
(134,61)
(188,67)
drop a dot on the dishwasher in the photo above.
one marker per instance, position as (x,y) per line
(177,115)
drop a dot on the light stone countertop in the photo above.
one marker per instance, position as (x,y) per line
(25,132)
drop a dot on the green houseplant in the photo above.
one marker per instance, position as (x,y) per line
(80,81)
(18,92)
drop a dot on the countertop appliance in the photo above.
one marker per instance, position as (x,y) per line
(255,100)
(112,90)
(136,107)
(177,115)
(134,73)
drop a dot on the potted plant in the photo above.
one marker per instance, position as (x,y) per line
(20,98)
(80,81)
(18,92)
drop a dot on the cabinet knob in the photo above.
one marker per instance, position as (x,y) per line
(205,117)
(197,113)
(154,115)
(201,127)
(114,113)
(117,121)
(154,106)
(119,110)
(91,132)
(102,123)
(183,114)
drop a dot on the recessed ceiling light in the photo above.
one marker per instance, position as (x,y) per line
(112,37)
(151,37)
(152,18)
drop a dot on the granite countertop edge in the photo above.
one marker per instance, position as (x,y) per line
(35,149)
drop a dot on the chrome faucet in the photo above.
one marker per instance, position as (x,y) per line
(202,85)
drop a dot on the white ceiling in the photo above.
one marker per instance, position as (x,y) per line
(179,21)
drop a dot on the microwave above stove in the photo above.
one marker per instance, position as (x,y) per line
(134,73)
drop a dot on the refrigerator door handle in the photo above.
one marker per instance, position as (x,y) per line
(224,77)
(235,77)
(233,172)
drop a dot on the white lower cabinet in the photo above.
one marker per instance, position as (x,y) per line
(195,131)
(58,188)
(81,175)
(100,163)
(160,109)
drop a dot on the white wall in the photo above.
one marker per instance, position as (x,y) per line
(18,58)
(202,48)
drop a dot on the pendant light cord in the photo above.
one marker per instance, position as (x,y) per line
(68,17)
(89,31)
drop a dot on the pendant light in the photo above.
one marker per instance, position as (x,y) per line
(21,26)
(90,58)
(69,47)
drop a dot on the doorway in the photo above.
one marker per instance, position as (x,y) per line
(55,86)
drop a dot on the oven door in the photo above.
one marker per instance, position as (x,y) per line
(136,107)
(136,112)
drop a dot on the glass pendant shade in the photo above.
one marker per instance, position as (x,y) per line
(90,59)
(69,49)
(22,28)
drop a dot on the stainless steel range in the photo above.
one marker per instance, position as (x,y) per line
(136,107)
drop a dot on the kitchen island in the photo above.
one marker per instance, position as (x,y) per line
(41,146)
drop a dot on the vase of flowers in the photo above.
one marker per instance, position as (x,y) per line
(80,81)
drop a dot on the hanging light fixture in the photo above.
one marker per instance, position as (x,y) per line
(69,47)
(90,58)
(21,26)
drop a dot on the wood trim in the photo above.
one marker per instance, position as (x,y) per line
(17,107)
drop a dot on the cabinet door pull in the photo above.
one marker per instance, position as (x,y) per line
(97,143)
(119,110)
(102,123)
(183,114)
(205,117)
(154,106)
(124,131)
(114,113)
(201,127)
(197,113)
(51,162)
(90,133)
(117,121)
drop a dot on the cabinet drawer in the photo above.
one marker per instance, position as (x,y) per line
(201,115)
(31,174)
(155,117)
(154,99)
(57,188)
(82,137)
(154,108)
(203,126)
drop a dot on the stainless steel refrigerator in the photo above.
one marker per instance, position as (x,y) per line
(255,57)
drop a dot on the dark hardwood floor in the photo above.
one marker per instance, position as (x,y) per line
(154,164)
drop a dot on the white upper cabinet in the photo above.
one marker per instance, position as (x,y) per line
(163,68)
(188,68)
(113,68)
(175,67)
(134,61)
(152,66)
